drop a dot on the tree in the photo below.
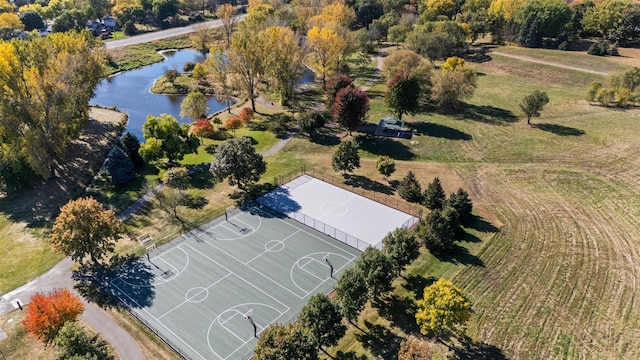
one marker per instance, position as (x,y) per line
(73,342)
(403,94)
(437,230)
(166,138)
(629,28)
(202,128)
(410,189)
(346,157)
(227,14)
(377,270)
(443,310)
(462,204)
(453,83)
(284,65)
(335,83)
(402,247)
(47,313)
(407,60)
(177,178)
(605,17)
(246,115)
(46,84)
(386,166)
(432,9)
(237,160)
(233,123)
(434,196)
(551,16)
(131,145)
(350,108)
(284,342)
(246,58)
(9,24)
(351,291)
(31,20)
(120,167)
(163,9)
(327,48)
(85,228)
(220,69)
(533,104)
(323,319)
(194,106)
(413,348)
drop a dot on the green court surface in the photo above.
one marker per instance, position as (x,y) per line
(197,291)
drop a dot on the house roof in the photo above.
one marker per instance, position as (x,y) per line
(391,123)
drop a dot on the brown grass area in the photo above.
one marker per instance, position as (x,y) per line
(628,56)
(18,344)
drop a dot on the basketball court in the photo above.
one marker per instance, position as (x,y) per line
(210,292)
(349,216)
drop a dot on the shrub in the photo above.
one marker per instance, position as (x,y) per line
(211,148)
(188,66)
(410,189)
(199,72)
(312,120)
(233,123)
(171,75)
(386,166)
(74,343)
(177,178)
(129,28)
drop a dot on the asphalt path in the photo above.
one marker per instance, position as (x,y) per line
(159,35)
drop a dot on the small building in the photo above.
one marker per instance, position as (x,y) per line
(109,22)
(393,127)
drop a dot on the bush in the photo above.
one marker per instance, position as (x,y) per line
(196,17)
(434,196)
(171,75)
(602,48)
(16,173)
(199,72)
(129,28)
(188,66)
(386,166)
(74,343)
(211,149)
(410,189)
(312,120)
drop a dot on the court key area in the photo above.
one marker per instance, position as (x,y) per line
(210,292)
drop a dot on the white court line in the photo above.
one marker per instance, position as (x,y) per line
(339,203)
(302,267)
(240,277)
(323,281)
(186,301)
(161,323)
(266,251)
(159,256)
(250,267)
(312,235)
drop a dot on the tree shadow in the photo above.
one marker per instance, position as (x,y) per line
(439,131)
(480,224)
(483,113)
(477,55)
(385,146)
(380,341)
(367,184)
(324,137)
(278,124)
(401,311)
(280,199)
(97,284)
(469,350)
(417,283)
(560,130)
(458,255)
(351,355)
(193,201)
(201,178)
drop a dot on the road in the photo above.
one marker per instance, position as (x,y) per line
(158,35)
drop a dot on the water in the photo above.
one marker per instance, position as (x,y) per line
(130,91)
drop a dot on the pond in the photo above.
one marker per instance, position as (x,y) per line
(130,91)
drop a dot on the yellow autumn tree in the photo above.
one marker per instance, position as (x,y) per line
(284,65)
(45,87)
(9,24)
(443,310)
(335,16)
(326,50)
(504,8)
(227,14)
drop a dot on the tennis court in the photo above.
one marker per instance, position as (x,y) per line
(342,214)
(209,292)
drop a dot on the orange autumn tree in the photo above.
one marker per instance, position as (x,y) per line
(47,313)
(246,115)
(202,128)
(233,123)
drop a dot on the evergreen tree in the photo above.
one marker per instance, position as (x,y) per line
(120,167)
(434,196)
(437,230)
(131,145)
(461,202)
(410,189)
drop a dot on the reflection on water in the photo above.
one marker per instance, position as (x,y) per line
(130,91)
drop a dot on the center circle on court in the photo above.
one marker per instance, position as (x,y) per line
(333,209)
(196,294)
(274,245)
